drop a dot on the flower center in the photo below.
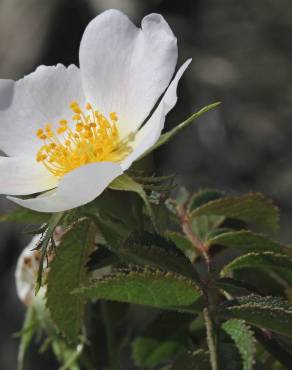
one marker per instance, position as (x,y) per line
(94,138)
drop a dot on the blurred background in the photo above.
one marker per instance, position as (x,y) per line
(242,56)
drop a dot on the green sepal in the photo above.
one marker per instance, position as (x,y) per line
(126,183)
(164,138)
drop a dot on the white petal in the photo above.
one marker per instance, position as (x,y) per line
(26,272)
(150,132)
(76,188)
(125,69)
(26,105)
(22,176)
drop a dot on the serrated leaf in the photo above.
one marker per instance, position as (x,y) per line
(198,360)
(67,272)
(182,243)
(252,208)
(153,250)
(164,138)
(203,196)
(228,354)
(148,287)
(261,281)
(268,261)
(247,241)
(244,340)
(25,216)
(271,313)
(203,225)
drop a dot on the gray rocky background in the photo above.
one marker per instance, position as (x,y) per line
(242,56)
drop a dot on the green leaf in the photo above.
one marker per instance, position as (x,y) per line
(164,138)
(252,208)
(182,243)
(25,216)
(147,287)
(198,360)
(67,272)
(153,250)
(271,313)
(247,241)
(261,281)
(244,340)
(202,197)
(269,261)
(228,354)
(126,183)
(235,287)
(203,225)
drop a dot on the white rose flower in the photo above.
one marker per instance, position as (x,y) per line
(123,72)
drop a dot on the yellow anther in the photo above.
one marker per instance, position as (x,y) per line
(74,104)
(61,129)
(76,109)
(94,138)
(87,134)
(113,116)
(48,127)
(39,132)
(79,127)
(76,117)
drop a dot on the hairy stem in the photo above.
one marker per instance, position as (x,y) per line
(211,340)
(188,231)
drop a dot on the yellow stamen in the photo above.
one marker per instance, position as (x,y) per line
(93,138)
(113,116)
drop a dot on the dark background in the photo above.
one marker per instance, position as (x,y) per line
(242,56)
